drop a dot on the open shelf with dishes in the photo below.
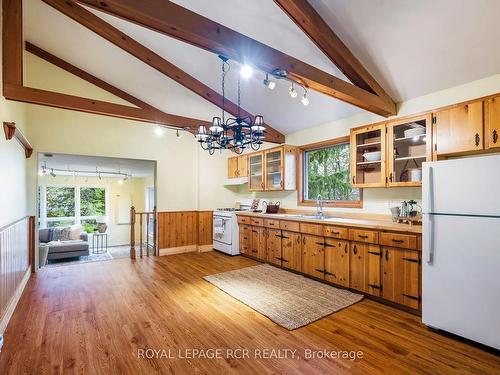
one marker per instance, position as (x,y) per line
(408,146)
(368,156)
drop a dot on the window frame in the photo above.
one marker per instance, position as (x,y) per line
(301,201)
(42,204)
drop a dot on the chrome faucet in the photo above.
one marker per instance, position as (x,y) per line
(319,206)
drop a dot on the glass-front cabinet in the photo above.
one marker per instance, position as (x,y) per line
(274,169)
(256,172)
(368,156)
(408,146)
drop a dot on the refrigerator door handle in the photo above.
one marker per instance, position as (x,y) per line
(430,207)
(430,241)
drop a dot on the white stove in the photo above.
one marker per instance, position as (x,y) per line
(225,230)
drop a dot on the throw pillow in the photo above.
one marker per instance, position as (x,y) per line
(75,231)
(61,234)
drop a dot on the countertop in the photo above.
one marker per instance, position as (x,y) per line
(342,221)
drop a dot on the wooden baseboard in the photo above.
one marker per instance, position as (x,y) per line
(13,302)
(205,248)
(186,249)
(178,250)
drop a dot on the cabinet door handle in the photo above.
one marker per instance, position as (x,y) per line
(374,253)
(322,271)
(284,260)
(363,236)
(254,231)
(411,260)
(397,241)
(320,243)
(387,255)
(411,297)
(284,237)
(281,183)
(345,248)
(355,249)
(328,245)
(495,136)
(390,177)
(329,273)
(354,179)
(478,139)
(303,240)
(375,286)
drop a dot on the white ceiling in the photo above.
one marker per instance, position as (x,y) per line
(133,167)
(412,49)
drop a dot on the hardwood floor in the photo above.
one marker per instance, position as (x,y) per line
(92,318)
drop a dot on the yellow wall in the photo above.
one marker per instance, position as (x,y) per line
(119,234)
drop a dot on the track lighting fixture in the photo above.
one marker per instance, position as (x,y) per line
(292,91)
(246,71)
(304,99)
(269,83)
(159,131)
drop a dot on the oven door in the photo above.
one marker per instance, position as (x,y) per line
(222,229)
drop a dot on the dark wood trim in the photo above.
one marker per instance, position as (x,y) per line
(136,49)
(300,177)
(11,131)
(173,20)
(60,63)
(12,39)
(65,101)
(312,24)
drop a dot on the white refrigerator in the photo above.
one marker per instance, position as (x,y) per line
(461,247)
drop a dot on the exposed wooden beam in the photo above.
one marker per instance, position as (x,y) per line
(308,19)
(136,49)
(65,101)
(173,20)
(12,41)
(70,68)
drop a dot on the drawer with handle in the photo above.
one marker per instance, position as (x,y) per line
(292,226)
(257,221)
(271,223)
(407,241)
(316,229)
(243,219)
(336,232)
(362,235)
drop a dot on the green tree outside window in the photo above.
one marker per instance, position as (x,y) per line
(327,173)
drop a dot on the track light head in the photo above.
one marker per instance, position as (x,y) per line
(292,91)
(305,99)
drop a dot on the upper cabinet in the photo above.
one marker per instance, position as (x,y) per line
(368,156)
(492,123)
(237,166)
(408,146)
(256,171)
(273,169)
(459,129)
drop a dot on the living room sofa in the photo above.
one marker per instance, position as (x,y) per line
(64,249)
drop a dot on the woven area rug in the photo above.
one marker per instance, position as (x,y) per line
(290,300)
(83,259)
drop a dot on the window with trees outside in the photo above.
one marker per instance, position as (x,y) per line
(64,206)
(326,172)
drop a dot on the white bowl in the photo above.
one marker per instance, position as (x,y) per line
(372,156)
(414,132)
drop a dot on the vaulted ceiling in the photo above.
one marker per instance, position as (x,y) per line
(411,49)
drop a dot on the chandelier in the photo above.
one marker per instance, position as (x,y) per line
(231,133)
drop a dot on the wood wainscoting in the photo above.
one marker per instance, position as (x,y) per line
(16,257)
(184,231)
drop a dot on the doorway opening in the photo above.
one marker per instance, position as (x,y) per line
(84,206)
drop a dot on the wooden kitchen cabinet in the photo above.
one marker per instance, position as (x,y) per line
(237,167)
(291,250)
(313,259)
(245,238)
(365,268)
(256,172)
(280,168)
(492,123)
(337,261)
(409,144)
(274,246)
(368,172)
(401,276)
(258,243)
(459,129)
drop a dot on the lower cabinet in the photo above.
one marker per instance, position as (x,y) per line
(258,243)
(274,246)
(337,261)
(313,259)
(245,239)
(365,268)
(400,276)
(291,250)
